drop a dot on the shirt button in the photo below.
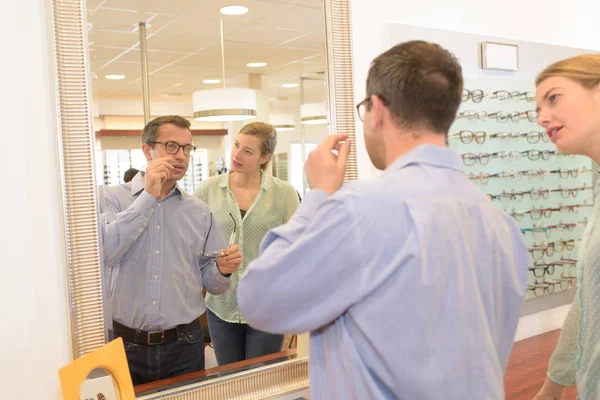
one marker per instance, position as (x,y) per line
(158,227)
(157,251)
(155,276)
(152,209)
(140,230)
(154,302)
(159,205)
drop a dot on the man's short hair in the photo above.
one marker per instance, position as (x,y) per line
(421,83)
(130,174)
(151,131)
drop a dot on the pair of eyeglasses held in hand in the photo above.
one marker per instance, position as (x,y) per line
(219,253)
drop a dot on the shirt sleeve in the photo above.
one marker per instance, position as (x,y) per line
(201,192)
(562,367)
(212,279)
(121,228)
(309,271)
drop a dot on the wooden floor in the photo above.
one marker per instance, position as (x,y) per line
(528,365)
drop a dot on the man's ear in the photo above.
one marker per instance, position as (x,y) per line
(377,112)
(146,149)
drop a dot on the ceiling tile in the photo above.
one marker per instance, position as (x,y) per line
(279,1)
(113,39)
(130,70)
(198,26)
(100,53)
(126,21)
(294,17)
(313,41)
(154,57)
(271,36)
(180,44)
(154,6)
(309,3)
(92,4)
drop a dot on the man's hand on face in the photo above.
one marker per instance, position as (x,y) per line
(324,170)
(157,173)
(230,261)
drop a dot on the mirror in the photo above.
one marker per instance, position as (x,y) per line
(202,60)
(99,385)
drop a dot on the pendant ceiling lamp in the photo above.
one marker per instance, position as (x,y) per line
(225,104)
(313,113)
(282,122)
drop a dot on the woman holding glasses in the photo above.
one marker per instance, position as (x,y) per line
(247,203)
(568,102)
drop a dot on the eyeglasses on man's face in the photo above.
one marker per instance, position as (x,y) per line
(361,108)
(173,147)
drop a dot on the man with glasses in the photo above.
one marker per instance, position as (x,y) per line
(410,283)
(162,248)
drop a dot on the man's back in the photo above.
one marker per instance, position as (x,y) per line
(447,279)
(411,284)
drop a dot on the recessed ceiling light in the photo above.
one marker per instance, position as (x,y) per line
(115,77)
(290,85)
(233,10)
(256,64)
(211,81)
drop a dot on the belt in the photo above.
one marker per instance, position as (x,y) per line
(151,338)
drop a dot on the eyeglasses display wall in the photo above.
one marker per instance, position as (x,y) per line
(509,156)
(280,166)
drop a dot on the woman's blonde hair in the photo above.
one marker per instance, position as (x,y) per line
(267,135)
(583,69)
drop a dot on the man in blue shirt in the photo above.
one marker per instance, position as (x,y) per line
(411,283)
(162,248)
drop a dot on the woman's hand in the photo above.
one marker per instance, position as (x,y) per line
(551,391)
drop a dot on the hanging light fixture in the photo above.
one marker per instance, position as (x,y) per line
(282,122)
(225,104)
(313,113)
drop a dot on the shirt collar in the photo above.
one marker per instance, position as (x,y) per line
(137,185)
(265,184)
(428,154)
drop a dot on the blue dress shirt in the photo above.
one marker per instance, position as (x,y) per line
(411,284)
(154,251)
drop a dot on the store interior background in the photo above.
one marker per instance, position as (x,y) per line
(185,57)
(34,296)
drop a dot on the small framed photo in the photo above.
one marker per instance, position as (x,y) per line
(500,56)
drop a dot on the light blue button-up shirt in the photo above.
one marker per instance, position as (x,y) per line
(154,251)
(411,284)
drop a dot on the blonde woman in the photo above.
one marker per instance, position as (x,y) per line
(568,101)
(251,202)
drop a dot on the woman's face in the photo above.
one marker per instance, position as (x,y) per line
(570,113)
(246,154)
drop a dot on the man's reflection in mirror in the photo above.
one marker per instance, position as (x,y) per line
(156,238)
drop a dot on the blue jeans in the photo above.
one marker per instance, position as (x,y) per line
(151,363)
(237,342)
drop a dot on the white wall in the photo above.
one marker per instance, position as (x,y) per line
(35,332)
(544,21)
